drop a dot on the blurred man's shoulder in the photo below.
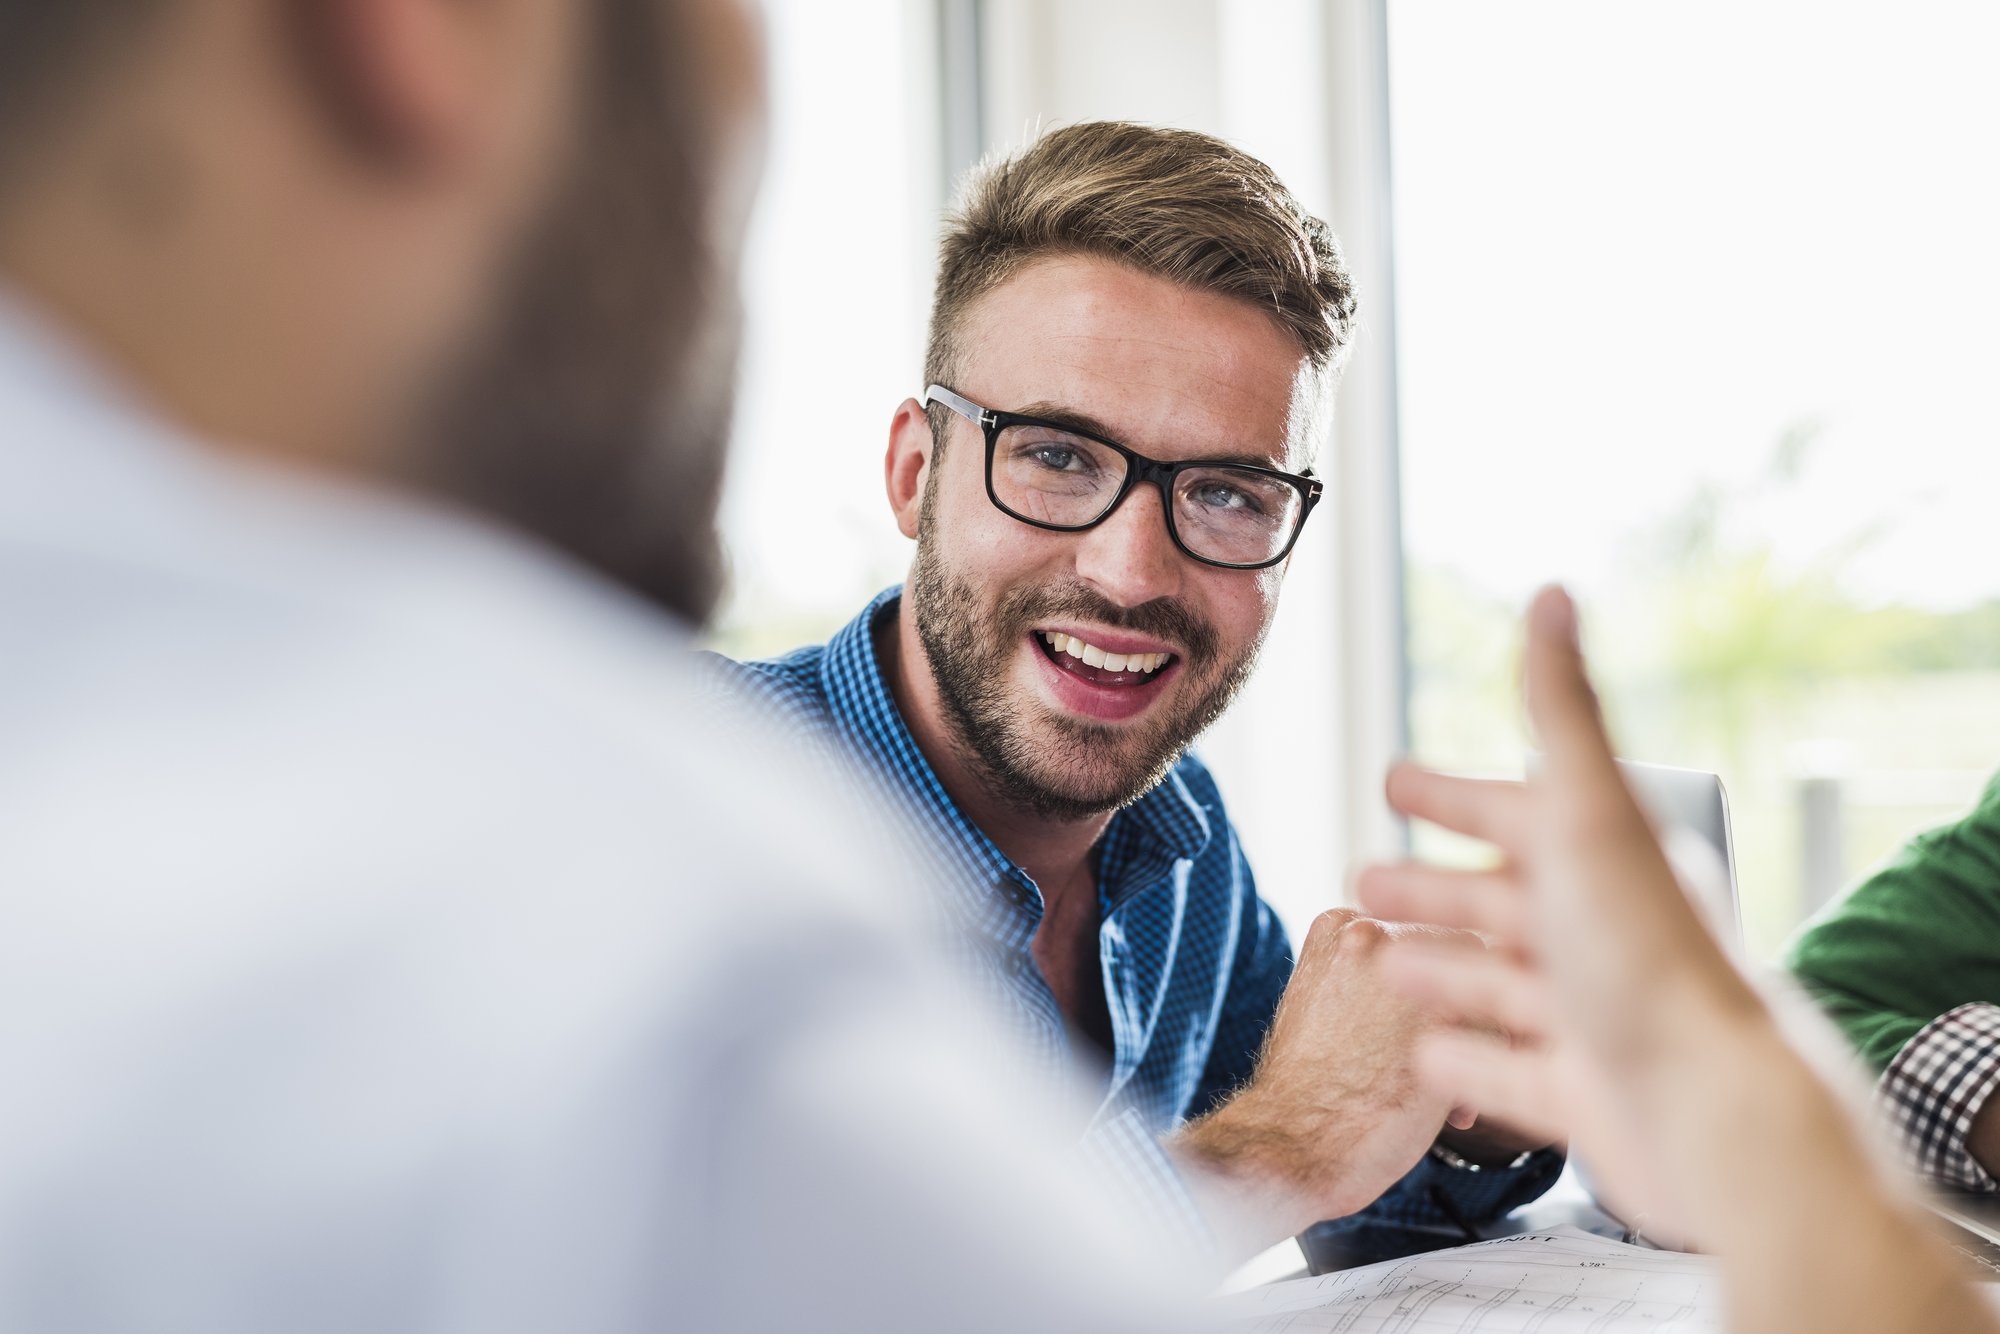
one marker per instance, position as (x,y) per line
(416,698)
(788,690)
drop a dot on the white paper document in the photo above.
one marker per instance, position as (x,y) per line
(1548,1282)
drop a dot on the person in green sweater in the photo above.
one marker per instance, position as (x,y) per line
(1908,965)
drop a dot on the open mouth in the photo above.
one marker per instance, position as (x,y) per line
(1088,662)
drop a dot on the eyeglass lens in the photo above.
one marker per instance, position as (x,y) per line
(1233,515)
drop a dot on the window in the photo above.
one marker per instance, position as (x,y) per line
(1695,308)
(837,285)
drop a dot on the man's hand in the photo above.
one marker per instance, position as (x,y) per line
(1628,1019)
(1334,1114)
(1583,905)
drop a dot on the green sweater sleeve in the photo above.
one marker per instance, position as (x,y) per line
(1917,939)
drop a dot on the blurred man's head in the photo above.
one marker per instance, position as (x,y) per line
(483,250)
(1161,291)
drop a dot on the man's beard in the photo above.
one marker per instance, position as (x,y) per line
(595,411)
(1047,764)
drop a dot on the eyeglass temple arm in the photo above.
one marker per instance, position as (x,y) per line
(964,407)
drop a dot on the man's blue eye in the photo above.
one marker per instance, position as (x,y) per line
(1056,458)
(1217,496)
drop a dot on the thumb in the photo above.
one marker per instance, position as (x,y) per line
(1562,706)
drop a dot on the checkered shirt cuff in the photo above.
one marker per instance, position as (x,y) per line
(1131,1163)
(1935,1087)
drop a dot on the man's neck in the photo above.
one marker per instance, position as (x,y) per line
(1054,853)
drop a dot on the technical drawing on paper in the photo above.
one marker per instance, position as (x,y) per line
(1545,1282)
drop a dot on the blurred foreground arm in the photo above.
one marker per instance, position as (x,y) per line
(1628,1024)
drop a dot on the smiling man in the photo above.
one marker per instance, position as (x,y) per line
(1135,334)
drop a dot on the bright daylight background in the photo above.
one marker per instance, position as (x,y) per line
(1697,306)
(1693,307)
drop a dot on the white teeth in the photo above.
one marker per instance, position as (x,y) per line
(1093,656)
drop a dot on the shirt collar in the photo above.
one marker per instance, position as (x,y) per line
(866,712)
(1167,825)
(1142,843)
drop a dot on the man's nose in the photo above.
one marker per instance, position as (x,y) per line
(1130,558)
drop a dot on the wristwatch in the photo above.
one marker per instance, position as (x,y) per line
(1464,1164)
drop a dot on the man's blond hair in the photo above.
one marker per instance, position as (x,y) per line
(1176,204)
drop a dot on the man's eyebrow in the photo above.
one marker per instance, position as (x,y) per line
(1055,414)
(1069,419)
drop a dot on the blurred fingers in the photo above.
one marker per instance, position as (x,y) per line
(1471,988)
(1562,705)
(1594,825)
(1489,902)
(1481,808)
(1513,1085)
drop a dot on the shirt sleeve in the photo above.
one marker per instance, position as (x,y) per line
(1435,1194)
(1261,967)
(1935,1087)
(1125,1154)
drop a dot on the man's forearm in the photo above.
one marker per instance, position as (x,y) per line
(1334,1114)
(1237,1164)
(1854,1252)
(1894,1275)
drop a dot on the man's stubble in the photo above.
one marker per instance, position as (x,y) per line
(595,411)
(1046,764)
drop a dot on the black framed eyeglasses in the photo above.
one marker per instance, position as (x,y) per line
(1240,516)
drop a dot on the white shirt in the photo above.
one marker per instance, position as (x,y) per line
(387,942)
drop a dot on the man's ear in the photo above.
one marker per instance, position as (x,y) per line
(400,81)
(907,466)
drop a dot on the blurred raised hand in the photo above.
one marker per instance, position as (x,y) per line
(1604,1005)
(1599,960)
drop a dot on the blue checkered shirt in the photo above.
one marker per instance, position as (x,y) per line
(1194,962)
